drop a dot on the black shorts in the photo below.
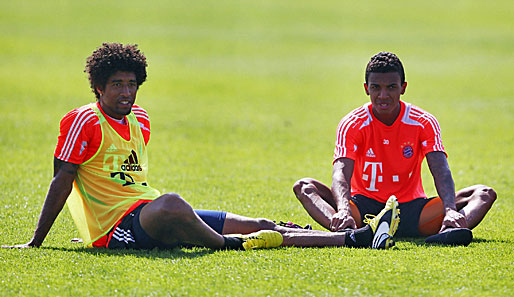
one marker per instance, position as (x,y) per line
(409,213)
(129,233)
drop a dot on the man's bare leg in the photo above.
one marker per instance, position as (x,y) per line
(237,224)
(170,219)
(318,201)
(303,239)
(474,202)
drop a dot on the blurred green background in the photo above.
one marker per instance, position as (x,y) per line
(245,98)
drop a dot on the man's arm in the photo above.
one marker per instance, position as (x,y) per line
(445,186)
(60,189)
(341,190)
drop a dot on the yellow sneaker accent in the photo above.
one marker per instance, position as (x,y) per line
(383,236)
(263,239)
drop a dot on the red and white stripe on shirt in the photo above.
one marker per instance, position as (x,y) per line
(358,116)
(425,118)
(81,135)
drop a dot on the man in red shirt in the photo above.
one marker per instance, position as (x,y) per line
(100,170)
(379,150)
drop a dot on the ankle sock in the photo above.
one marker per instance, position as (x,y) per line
(233,243)
(359,237)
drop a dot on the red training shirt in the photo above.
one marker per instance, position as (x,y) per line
(388,158)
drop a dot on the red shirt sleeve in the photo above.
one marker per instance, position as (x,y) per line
(430,137)
(349,138)
(79,137)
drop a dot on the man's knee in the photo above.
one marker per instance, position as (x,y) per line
(488,194)
(303,186)
(265,224)
(171,207)
(297,187)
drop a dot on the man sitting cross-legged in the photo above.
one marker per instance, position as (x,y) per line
(379,150)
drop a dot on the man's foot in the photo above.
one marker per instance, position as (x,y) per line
(290,224)
(384,224)
(452,236)
(263,239)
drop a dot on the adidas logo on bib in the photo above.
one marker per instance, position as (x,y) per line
(131,164)
(111,149)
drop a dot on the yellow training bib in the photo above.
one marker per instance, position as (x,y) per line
(111,181)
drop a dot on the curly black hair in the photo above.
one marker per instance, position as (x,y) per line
(385,62)
(112,57)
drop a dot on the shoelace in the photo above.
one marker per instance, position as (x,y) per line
(369,219)
(290,224)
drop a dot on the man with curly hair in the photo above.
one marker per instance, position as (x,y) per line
(100,170)
(379,150)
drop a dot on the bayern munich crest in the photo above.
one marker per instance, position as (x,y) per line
(407,151)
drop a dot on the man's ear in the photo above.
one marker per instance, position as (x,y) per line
(99,90)
(404,86)
(366,88)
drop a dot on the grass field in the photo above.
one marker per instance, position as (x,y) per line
(245,98)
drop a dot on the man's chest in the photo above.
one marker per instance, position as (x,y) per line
(394,150)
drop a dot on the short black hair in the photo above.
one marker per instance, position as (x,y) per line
(111,58)
(385,62)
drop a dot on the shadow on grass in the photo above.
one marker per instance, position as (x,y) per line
(480,240)
(152,254)
(420,241)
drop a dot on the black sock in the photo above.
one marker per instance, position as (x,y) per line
(233,243)
(359,238)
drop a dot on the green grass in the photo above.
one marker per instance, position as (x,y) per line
(245,98)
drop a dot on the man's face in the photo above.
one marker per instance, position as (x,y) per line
(119,94)
(384,90)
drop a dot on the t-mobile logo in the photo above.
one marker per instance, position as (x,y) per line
(374,175)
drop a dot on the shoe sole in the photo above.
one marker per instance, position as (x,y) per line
(453,236)
(395,218)
(388,230)
(382,238)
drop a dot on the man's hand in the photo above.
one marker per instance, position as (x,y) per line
(30,244)
(18,246)
(341,220)
(453,219)
(60,188)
